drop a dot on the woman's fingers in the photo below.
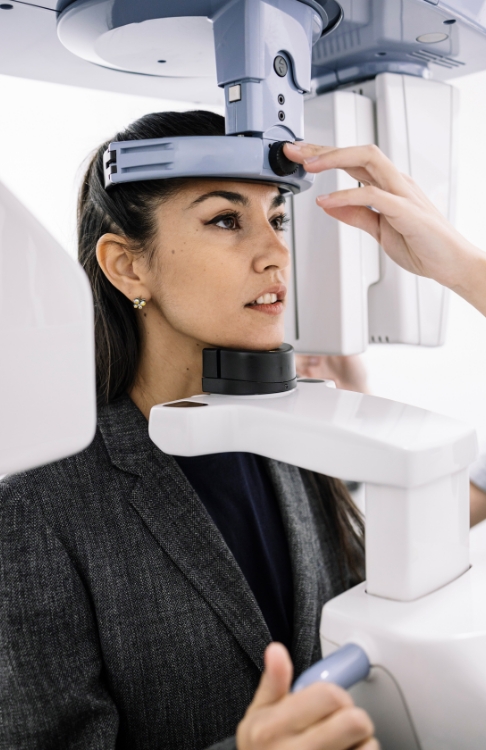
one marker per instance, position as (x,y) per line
(369,745)
(373,165)
(298,711)
(276,679)
(347,728)
(321,717)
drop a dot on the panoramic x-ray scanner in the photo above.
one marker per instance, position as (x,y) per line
(410,642)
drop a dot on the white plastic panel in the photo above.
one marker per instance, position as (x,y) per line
(417,499)
(335,305)
(136,47)
(416,124)
(409,551)
(47,382)
(30,48)
(328,430)
(381,698)
(334,264)
(434,649)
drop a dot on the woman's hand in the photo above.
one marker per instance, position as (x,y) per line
(320,717)
(393,209)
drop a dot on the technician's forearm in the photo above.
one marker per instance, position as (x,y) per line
(478,505)
(470,277)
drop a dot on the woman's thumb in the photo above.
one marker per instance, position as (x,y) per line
(277,677)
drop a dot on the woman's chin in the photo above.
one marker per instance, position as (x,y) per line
(257,337)
(257,343)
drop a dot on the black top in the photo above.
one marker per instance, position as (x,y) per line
(239,497)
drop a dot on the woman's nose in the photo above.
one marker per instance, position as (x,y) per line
(270,250)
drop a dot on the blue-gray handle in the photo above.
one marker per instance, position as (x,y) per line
(345,667)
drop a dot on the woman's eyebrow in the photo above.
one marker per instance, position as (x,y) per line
(279,200)
(228,195)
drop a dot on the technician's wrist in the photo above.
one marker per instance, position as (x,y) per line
(469,279)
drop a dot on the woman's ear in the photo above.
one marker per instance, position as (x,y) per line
(121,266)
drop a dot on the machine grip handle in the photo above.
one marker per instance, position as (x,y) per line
(344,667)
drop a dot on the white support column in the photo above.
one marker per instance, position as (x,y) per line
(416,121)
(417,537)
(334,264)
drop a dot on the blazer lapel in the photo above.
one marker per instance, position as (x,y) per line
(312,585)
(179,522)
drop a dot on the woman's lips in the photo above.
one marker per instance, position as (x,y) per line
(275,308)
(271,301)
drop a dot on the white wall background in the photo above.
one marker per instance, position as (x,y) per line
(47,131)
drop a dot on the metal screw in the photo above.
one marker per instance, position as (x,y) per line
(281,99)
(280,66)
(281,115)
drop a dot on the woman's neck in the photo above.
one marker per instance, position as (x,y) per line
(170,369)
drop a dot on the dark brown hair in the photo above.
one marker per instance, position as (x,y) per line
(129,210)
(344,527)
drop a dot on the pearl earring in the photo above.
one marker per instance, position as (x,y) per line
(139,303)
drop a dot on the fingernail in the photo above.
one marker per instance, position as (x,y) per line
(297,146)
(321,198)
(310,160)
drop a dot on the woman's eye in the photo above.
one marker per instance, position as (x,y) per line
(226,222)
(279,222)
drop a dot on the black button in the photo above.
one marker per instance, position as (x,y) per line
(280,66)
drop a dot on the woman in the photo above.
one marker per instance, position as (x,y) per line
(140,591)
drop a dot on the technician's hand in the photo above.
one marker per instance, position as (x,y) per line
(348,372)
(320,717)
(404,222)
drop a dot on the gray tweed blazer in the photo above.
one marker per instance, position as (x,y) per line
(125,621)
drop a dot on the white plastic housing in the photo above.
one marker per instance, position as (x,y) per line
(416,121)
(427,686)
(47,383)
(346,291)
(334,264)
(413,461)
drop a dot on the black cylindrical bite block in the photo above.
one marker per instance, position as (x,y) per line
(247,372)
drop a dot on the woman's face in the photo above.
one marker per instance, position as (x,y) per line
(220,270)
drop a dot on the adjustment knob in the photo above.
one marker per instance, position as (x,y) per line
(279,162)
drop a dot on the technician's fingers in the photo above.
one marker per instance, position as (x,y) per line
(365,163)
(299,152)
(357,216)
(392,206)
(276,679)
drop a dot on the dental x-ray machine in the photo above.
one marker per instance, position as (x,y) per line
(412,639)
